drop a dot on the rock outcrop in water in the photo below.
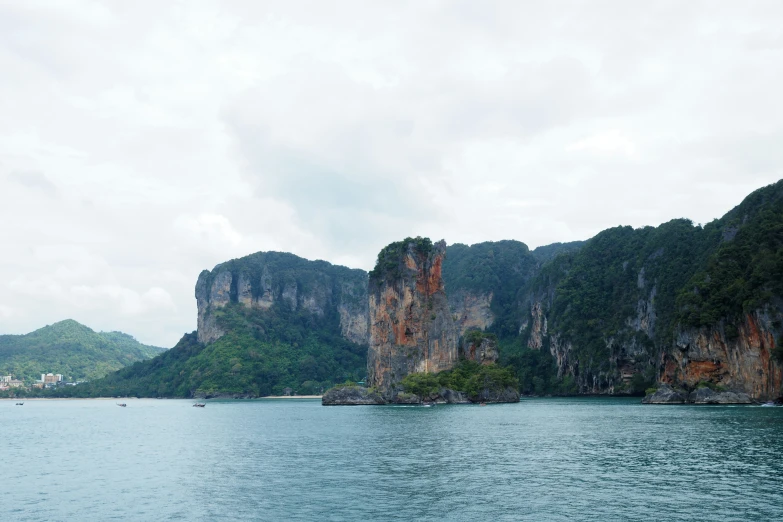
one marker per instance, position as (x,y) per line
(352,396)
(665,394)
(744,362)
(413,332)
(447,396)
(411,327)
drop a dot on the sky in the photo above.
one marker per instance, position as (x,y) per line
(142,142)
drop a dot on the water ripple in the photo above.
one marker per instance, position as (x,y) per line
(540,460)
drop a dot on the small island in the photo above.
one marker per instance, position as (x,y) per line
(415,353)
(702,394)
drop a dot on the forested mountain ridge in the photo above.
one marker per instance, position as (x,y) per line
(71,349)
(486,281)
(677,303)
(680,304)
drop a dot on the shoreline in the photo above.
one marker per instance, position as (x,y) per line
(25,399)
(292,397)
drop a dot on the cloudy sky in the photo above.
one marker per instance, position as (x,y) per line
(141,142)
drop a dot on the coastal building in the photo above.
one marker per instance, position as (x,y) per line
(8,381)
(50,378)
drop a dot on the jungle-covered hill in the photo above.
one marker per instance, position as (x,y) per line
(71,349)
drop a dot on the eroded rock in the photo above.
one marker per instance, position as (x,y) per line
(666,395)
(411,327)
(708,396)
(352,396)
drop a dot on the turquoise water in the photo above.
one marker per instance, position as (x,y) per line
(542,459)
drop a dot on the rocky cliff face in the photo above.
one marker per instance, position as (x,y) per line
(265,279)
(411,327)
(629,352)
(479,348)
(743,363)
(211,294)
(538,326)
(471,310)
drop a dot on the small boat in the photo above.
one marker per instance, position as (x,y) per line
(769,404)
(199,405)
(483,404)
(20,404)
(121,404)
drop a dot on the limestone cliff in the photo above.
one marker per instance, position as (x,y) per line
(411,327)
(483,282)
(479,347)
(538,326)
(471,310)
(623,362)
(267,278)
(742,363)
(667,305)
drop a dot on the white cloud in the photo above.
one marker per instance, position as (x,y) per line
(609,143)
(142,142)
(126,301)
(210,228)
(6,312)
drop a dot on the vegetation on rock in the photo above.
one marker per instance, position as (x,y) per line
(745,272)
(390,258)
(501,268)
(263,353)
(468,377)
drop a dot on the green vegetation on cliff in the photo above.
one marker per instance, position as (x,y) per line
(745,272)
(619,301)
(612,276)
(535,370)
(500,268)
(71,349)
(611,306)
(390,260)
(548,252)
(510,272)
(468,377)
(263,353)
(266,351)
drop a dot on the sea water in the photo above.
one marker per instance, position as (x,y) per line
(541,459)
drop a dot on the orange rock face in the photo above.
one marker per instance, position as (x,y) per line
(743,363)
(411,328)
(484,352)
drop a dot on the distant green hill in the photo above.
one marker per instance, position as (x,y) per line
(71,349)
